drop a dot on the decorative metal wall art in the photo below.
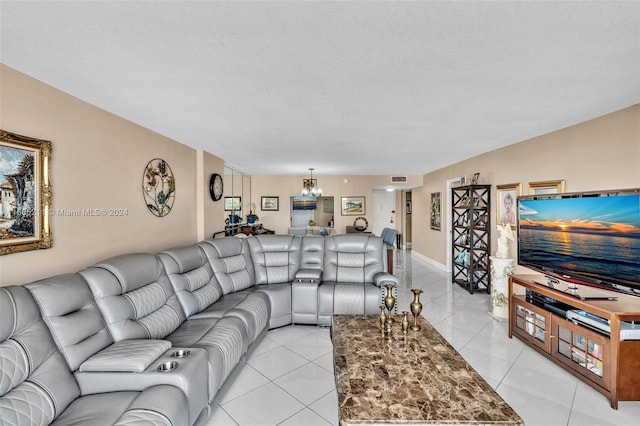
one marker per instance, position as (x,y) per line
(25,193)
(158,187)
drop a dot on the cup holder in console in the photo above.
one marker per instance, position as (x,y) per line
(181,353)
(167,366)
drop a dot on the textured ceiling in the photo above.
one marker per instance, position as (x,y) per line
(399,88)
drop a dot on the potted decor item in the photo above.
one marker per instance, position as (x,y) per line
(252,217)
(234,218)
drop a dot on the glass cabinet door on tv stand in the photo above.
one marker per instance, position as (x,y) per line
(470,219)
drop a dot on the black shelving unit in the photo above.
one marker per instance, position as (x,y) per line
(471,219)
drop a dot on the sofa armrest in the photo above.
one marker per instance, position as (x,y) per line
(308,274)
(382,278)
(190,376)
(133,356)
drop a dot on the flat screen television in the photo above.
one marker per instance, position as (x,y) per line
(590,238)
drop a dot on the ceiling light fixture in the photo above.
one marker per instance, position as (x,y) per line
(310,186)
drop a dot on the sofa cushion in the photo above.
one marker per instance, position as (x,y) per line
(312,253)
(68,309)
(347,298)
(159,405)
(352,258)
(280,303)
(36,384)
(231,263)
(192,278)
(226,340)
(276,258)
(135,304)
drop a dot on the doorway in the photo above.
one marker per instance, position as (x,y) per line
(384,206)
(407,220)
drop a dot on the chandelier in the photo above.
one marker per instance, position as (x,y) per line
(310,186)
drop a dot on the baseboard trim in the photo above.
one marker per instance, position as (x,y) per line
(432,262)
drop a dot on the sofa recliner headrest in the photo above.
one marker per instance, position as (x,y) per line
(17,311)
(187,258)
(134,270)
(54,297)
(224,247)
(278,242)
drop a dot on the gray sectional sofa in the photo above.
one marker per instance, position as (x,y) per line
(127,340)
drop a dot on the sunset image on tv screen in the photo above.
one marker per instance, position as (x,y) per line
(592,236)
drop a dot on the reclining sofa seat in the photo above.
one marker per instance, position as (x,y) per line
(137,301)
(276,260)
(37,387)
(353,273)
(201,295)
(98,364)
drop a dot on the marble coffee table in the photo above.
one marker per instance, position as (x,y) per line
(417,380)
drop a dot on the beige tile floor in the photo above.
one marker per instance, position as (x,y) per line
(288,380)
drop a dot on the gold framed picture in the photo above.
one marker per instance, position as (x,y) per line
(506,196)
(546,187)
(25,193)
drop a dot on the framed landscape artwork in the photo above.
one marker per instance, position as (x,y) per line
(25,193)
(270,203)
(352,206)
(232,203)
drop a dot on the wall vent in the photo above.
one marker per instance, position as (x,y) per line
(398,179)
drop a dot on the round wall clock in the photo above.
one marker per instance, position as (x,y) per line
(216,187)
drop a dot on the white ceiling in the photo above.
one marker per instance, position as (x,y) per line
(276,87)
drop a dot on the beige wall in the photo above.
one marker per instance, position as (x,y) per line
(214,214)
(97,162)
(603,153)
(287,186)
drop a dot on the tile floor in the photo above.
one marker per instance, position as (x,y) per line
(288,380)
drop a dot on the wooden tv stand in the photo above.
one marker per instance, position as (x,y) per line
(606,363)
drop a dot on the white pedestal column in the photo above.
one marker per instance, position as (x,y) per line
(500,271)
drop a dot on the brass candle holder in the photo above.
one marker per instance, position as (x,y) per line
(405,322)
(416,308)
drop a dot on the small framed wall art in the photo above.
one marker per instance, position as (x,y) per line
(352,206)
(436,217)
(435,221)
(232,203)
(270,203)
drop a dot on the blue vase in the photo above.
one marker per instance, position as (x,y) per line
(251,218)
